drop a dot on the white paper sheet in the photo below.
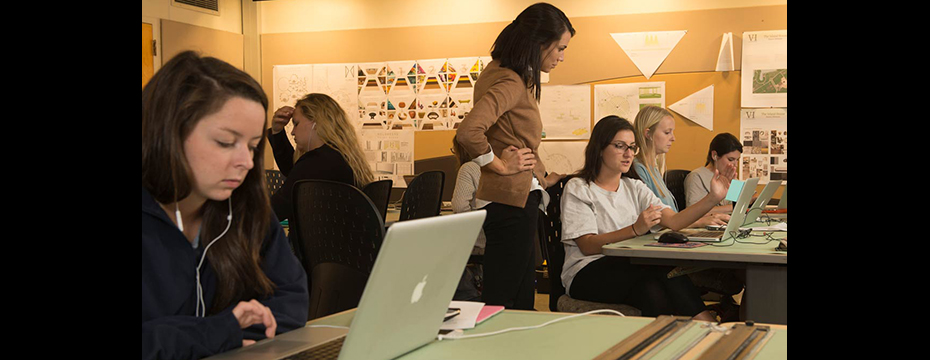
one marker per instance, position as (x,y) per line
(625,100)
(563,157)
(466,319)
(764,71)
(648,50)
(725,56)
(697,107)
(565,111)
(389,154)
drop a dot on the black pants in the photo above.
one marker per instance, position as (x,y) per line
(612,279)
(509,270)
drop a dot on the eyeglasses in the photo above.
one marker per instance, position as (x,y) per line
(621,147)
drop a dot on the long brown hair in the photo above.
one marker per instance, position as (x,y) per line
(179,95)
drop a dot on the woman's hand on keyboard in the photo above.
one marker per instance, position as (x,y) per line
(254,313)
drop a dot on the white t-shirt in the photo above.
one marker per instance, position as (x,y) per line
(589,209)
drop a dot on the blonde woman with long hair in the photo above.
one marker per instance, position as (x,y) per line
(327,145)
(655,133)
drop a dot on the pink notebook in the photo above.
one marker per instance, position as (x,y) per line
(488,311)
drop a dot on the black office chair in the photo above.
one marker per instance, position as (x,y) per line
(550,241)
(423,197)
(339,235)
(675,181)
(274,179)
(380,194)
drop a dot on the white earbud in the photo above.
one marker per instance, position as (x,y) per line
(310,135)
(201,307)
(177,215)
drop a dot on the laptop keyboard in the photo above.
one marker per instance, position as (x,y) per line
(327,350)
(706,234)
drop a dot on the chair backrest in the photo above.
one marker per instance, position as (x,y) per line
(675,181)
(339,233)
(274,179)
(380,194)
(423,197)
(551,241)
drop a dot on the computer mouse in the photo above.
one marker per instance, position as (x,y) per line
(673,238)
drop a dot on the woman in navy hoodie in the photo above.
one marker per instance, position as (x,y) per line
(217,270)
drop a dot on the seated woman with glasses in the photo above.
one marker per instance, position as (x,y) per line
(601,206)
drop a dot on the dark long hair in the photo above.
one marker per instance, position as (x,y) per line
(185,90)
(723,143)
(603,134)
(518,45)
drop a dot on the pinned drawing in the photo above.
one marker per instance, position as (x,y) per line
(389,154)
(563,157)
(648,50)
(764,71)
(566,111)
(697,107)
(625,100)
(764,135)
(291,82)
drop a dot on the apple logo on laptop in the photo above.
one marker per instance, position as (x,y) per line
(418,291)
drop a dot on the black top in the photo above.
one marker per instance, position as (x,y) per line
(170,330)
(323,163)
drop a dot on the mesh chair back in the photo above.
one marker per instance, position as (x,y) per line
(274,179)
(339,235)
(423,197)
(380,194)
(551,241)
(675,181)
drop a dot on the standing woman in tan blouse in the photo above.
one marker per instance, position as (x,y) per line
(502,133)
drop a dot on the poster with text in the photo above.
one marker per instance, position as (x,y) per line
(389,153)
(764,135)
(764,77)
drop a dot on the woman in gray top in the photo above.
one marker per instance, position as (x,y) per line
(725,150)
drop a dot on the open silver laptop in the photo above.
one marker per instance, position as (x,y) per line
(404,302)
(736,218)
(759,205)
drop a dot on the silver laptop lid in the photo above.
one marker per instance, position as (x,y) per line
(783,204)
(405,299)
(756,210)
(739,208)
(411,285)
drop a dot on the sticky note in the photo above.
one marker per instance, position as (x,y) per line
(736,187)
